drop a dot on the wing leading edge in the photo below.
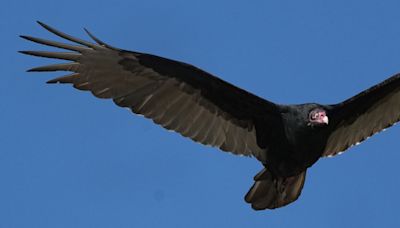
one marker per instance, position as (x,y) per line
(175,95)
(364,115)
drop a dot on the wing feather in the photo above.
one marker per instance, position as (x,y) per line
(364,115)
(175,95)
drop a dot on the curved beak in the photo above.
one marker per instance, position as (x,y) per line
(325,120)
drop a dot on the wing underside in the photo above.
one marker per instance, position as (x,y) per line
(364,115)
(175,95)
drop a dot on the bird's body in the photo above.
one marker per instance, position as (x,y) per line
(286,139)
(303,145)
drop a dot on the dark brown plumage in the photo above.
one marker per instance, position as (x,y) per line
(286,139)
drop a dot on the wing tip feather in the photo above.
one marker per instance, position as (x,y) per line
(24,37)
(25,52)
(53,81)
(98,41)
(47,27)
(40,23)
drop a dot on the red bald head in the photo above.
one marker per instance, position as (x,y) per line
(318,117)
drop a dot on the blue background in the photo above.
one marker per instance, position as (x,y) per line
(70,160)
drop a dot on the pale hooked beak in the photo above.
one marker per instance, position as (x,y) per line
(325,120)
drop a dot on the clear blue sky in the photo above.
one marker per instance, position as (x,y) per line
(70,160)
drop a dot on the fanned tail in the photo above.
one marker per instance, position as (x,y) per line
(269,192)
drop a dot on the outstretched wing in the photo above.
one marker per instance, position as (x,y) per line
(364,115)
(173,94)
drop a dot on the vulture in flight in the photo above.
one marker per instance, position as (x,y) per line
(286,139)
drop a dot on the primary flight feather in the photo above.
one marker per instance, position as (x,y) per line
(286,139)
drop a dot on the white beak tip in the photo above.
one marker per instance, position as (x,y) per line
(325,120)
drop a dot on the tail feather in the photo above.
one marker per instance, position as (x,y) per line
(269,192)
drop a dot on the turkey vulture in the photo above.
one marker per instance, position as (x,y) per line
(286,139)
